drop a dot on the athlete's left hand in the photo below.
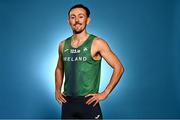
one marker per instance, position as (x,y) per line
(96,98)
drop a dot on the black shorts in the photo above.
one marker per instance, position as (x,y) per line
(76,108)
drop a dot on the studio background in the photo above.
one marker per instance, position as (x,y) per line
(144,34)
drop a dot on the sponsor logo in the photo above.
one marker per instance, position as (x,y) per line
(97,117)
(75,51)
(66,50)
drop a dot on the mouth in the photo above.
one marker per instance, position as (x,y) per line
(77,24)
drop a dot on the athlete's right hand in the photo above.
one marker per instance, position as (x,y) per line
(60,97)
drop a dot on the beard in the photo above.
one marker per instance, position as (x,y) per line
(78,30)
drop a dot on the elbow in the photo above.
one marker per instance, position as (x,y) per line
(57,70)
(119,68)
(122,69)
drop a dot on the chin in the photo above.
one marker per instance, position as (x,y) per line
(77,32)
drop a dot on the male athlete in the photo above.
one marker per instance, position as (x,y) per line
(80,62)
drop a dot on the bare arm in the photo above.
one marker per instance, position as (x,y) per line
(114,62)
(59,74)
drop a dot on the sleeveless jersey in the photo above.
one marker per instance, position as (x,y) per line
(82,72)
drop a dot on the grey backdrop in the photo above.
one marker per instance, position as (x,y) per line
(144,34)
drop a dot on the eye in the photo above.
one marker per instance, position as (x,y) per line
(81,16)
(72,17)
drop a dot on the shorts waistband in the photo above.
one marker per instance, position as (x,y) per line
(76,98)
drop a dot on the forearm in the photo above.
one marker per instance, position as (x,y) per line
(117,73)
(58,79)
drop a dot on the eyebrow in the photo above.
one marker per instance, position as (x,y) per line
(81,14)
(78,14)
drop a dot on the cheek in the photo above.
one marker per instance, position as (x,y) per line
(71,21)
(83,21)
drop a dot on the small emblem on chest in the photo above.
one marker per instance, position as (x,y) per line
(85,49)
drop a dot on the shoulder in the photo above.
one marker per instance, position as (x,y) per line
(98,40)
(100,43)
(61,45)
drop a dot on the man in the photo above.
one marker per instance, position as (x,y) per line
(80,62)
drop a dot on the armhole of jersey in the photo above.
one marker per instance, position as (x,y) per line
(66,43)
(91,48)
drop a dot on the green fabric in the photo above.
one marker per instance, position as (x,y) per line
(82,72)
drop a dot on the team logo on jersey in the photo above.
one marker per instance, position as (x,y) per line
(85,49)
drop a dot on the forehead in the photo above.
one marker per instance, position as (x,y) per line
(77,11)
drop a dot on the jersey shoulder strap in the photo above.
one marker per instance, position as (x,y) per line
(67,42)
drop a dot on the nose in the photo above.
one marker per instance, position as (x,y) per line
(76,19)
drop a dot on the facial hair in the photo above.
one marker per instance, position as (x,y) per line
(78,31)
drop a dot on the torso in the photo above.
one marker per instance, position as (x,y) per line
(82,66)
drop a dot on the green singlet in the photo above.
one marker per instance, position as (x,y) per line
(82,72)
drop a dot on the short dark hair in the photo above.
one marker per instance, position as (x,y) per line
(80,6)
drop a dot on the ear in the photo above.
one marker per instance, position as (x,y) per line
(88,20)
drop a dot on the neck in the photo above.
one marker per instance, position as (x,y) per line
(80,36)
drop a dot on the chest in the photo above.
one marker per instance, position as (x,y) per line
(79,54)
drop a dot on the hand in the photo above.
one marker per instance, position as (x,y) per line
(96,98)
(60,97)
